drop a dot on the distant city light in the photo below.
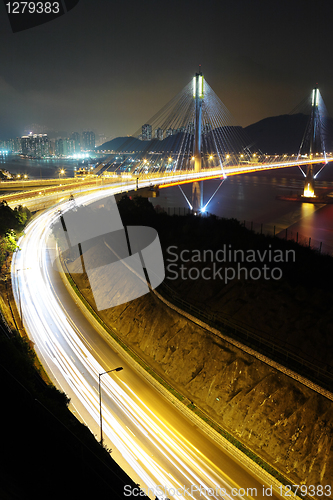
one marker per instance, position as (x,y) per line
(80,155)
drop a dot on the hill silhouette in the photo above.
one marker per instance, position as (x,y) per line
(281,134)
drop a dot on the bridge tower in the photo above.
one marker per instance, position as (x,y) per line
(198,95)
(314,122)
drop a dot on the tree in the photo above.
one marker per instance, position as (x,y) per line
(13,219)
(8,245)
(22,215)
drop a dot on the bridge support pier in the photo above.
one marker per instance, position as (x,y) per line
(309,183)
(309,179)
(198,94)
(197,196)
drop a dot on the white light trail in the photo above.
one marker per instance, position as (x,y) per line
(132,427)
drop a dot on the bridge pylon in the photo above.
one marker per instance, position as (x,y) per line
(314,129)
(198,95)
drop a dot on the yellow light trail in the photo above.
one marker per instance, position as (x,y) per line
(152,449)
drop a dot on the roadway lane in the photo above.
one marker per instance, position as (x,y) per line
(150,438)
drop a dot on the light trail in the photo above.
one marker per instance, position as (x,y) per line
(169,179)
(155,451)
(176,178)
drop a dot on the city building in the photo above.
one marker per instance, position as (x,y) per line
(59,147)
(101,139)
(64,147)
(190,128)
(77,141)
(69,147)
(159,134)
(35,145)
(17,145)
(88,141)
(206,128)
(11,145)
(146,132)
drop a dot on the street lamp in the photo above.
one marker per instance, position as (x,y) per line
(100,397)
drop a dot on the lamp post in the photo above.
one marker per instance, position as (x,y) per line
(61,172)
(23,179)
(100,397)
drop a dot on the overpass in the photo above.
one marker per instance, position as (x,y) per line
(45,195)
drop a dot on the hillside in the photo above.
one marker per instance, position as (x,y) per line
(284,422)
(273,135)
(278,134)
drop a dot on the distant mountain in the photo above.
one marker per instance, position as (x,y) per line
(231,137)
(115,144)
(278,134)
(284,133)
(129,144)
(274,135)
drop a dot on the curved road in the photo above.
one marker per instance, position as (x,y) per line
(149,437)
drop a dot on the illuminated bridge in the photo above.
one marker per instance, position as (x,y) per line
(193,138)
(190,140)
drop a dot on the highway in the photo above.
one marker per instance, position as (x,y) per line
(35,200)
(149,437)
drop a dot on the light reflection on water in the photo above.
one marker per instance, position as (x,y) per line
(46,169)
(308,209)
(254,198)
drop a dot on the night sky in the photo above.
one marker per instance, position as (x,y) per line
(109,66)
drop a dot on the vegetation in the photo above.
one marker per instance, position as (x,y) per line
(13,219)
(12,222)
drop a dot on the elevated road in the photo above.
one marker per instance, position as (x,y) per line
(53,193)
(183,177)
(150,438)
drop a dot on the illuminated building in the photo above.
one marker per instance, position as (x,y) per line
(146,132)
(88,141)
(35,145)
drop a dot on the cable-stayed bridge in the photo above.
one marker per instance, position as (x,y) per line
(194,138)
